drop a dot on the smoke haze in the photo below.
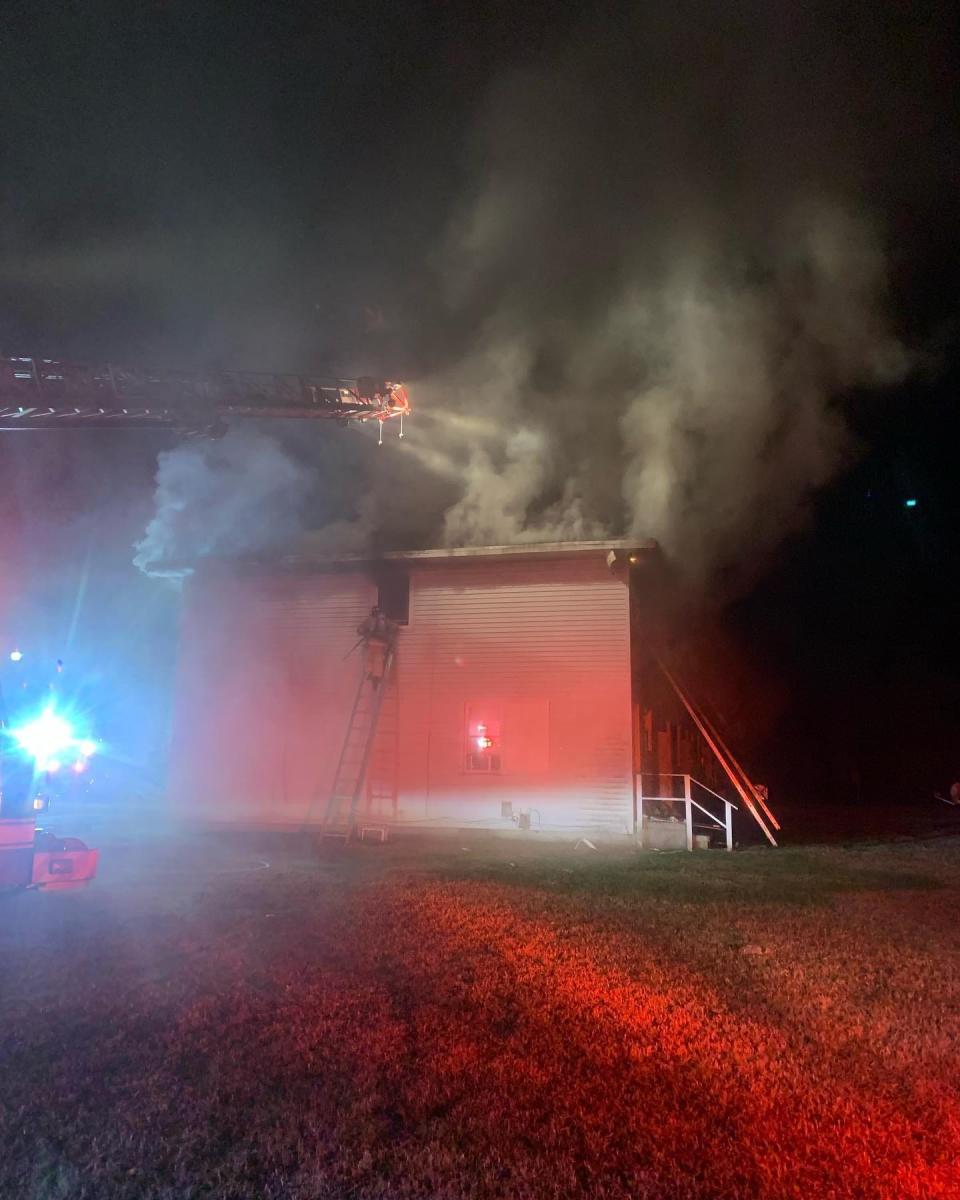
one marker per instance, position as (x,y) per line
(234,496)
(644,268)
(681,316)
(665,270)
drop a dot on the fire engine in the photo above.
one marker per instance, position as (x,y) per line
(39,739)
(46,393)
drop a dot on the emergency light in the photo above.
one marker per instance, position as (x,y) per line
(46,736)
(49,737)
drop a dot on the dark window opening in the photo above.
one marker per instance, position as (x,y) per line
(394,596)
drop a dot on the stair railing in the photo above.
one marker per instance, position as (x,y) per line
(725,822)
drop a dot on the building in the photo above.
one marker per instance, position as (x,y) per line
(511,700)
(527,691)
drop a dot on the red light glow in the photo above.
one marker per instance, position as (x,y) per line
(483,740)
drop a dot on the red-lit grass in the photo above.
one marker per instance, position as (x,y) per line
(486,1025)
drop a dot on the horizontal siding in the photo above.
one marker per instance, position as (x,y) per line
(554,633)
(266,680)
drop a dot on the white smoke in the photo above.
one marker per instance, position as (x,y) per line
(344,537)
(239,495)
(664,276)
(709,396)
(495,508)
(737,421)
(677,371)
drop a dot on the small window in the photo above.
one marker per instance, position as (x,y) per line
(482,747)
(394,596)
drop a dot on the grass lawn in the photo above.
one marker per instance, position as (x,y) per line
(209,1020)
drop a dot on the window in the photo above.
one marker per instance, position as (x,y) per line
(393,595)
(482,747)
(507,736)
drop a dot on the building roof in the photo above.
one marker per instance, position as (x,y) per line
(525,550)
(320,556)
(530,549)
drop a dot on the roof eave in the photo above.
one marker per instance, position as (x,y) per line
(525,550)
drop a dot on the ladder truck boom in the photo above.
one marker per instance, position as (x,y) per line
(46,393)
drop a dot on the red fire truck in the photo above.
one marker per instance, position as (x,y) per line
(38,741)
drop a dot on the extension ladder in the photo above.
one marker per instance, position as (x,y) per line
(340,819)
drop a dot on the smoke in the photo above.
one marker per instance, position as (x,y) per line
(235,496)
(670,284)
(698,401)
(495,507)
(737,419)
(666,273)
(344,537)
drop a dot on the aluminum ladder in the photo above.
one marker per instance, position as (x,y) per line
(340,819)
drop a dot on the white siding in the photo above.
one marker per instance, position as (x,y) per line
(266,682)
(545,645)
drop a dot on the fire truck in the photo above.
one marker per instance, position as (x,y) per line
(38,737)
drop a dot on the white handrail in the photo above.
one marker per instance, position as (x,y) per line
(682,775)
(688,801)
(706,812)
(713,793)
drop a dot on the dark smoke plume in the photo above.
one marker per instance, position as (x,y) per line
(675,278)
(667,270)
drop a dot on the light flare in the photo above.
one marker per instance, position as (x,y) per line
(46,736)
(51,740)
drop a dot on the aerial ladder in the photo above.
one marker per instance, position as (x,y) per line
(47,393)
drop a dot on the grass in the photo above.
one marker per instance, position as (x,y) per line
(491,1022)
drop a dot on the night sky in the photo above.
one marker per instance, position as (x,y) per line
(388,187)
